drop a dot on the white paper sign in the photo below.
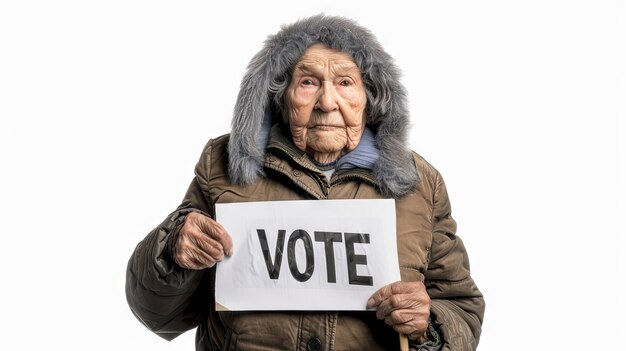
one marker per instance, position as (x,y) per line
(306,255)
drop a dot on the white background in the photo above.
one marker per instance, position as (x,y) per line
(106,105)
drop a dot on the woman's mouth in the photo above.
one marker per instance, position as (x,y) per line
(325,127)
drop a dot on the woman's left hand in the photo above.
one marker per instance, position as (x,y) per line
(405,306)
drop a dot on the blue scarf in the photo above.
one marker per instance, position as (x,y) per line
(364,155)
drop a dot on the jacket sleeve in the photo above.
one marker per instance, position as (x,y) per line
(166,298)
(456,303)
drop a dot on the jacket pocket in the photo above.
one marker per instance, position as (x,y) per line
(230,341)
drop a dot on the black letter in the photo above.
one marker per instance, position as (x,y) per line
(291,255)
(272,268)
(353,259)
(329,238)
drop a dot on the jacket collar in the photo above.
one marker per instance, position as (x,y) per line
(283,156)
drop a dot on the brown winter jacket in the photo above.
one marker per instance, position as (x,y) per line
(170,300)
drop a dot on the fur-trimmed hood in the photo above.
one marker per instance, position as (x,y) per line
(386,114)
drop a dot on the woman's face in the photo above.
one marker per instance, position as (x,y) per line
(325,103)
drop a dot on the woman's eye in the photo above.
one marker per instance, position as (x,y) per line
(307,82)
(345,83)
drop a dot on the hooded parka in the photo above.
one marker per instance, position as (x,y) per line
(258,161)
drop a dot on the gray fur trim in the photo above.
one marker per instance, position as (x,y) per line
(387,113)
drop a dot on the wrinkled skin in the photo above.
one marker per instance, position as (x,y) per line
(201,242)
(325,103)
(405,306)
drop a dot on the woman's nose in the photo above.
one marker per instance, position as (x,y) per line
(327,101)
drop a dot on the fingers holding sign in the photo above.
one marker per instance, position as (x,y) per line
(201,243)
(405,306)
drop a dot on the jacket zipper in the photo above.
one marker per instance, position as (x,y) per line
(324,187)
(343,177)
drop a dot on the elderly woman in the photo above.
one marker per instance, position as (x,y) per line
(321,114)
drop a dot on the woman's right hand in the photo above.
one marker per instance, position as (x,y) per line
(201,243)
